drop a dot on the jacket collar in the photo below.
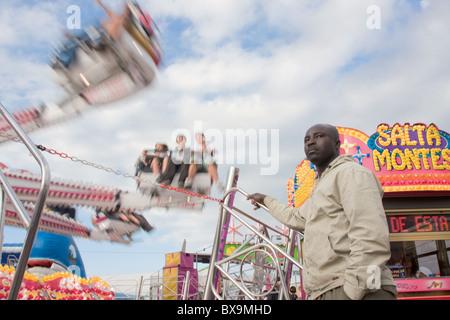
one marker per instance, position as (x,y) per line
(336,162)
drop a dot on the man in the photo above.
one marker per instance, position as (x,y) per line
(143,163)
(346,234)
(160,160)
(203,161)
(179,161)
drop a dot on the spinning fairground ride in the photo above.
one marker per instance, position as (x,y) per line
(96,67)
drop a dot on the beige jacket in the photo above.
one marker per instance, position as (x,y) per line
(346,234)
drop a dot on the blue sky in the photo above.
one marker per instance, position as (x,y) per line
(229,64)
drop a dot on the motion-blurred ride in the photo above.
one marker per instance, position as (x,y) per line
(100,69)
(94,68)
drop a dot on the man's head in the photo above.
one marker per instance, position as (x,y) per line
(161,147)
(322,145)
(200,138)
(181,140)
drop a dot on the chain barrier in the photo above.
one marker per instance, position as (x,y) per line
(111,170)
(125,174)
(10,137)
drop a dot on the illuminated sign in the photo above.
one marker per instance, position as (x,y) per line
(418,223)
(405,158)
(410,147)
(424,284)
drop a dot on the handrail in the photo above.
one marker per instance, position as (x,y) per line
(6,188)
(290,244)
(228,210)
(221,233)
(43,193)
(2,216)
(269,242)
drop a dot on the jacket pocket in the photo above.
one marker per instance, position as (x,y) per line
(320,259)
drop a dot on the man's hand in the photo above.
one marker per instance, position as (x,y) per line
(257,199)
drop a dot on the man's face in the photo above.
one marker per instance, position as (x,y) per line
(181,140)
(199,138)
(159,148)
(321,146)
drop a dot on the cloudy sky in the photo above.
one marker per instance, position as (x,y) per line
(270,68)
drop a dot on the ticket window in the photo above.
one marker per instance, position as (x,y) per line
(420,244)
(420,259)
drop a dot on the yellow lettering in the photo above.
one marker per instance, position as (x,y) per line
(397,153)
(397,133)
(419,128)
(381,131)
(407,138)
(435,158)
(423,152)
(433,133)
(410,157)
(446,157)
(382,158)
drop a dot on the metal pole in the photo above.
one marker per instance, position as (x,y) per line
(45,185)
(221,233)
(290,249)
(6,187)
(186,286)
(2,218)
(138,294)
(289,260)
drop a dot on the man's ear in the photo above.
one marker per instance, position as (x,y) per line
(338,145)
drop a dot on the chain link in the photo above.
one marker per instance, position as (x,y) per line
(111,170)
(7,137)
(125,174)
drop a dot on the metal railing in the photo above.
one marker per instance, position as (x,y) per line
(31,225)
(256,269)
(157,288)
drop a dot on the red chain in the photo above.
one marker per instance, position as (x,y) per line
(168,187)
(198,195)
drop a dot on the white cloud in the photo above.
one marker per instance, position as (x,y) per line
(25,43)
(211,21)
(24,23)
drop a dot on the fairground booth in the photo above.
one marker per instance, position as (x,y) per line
(412,163)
